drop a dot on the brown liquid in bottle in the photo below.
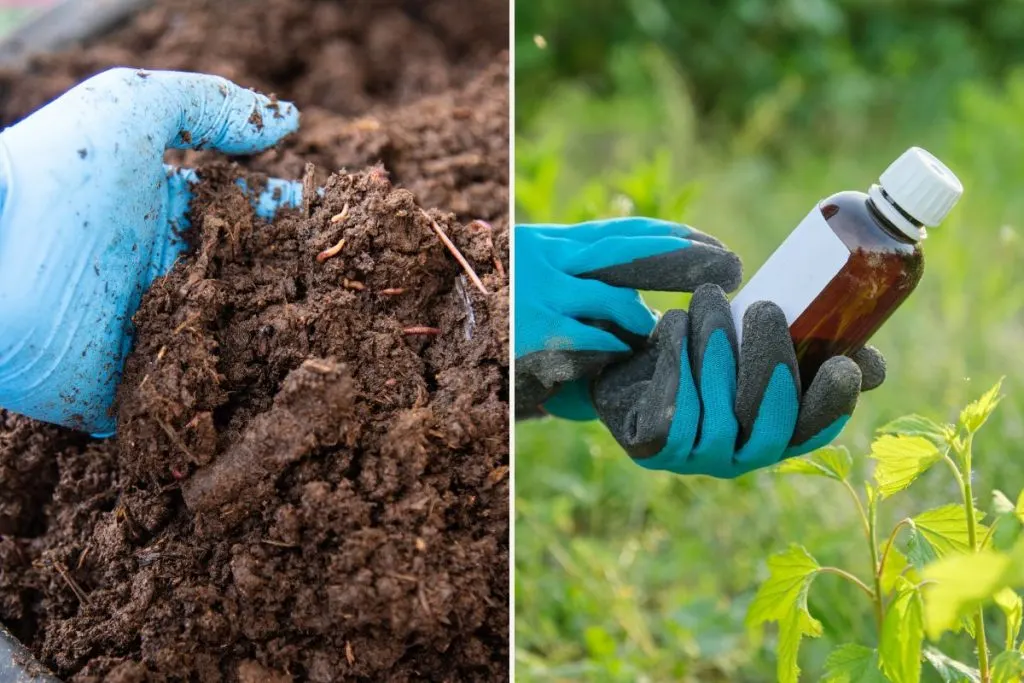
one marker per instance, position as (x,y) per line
(883,269)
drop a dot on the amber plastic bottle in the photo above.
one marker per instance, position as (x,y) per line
(853,260)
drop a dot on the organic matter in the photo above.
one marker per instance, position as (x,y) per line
(309,480)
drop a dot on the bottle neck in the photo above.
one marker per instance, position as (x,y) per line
(893,216)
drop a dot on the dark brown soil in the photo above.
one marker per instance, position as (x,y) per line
(310,477)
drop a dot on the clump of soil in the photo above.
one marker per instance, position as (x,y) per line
(310,476)
(344,56)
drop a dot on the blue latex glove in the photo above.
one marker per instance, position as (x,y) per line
(90,216)
(577,304)
(690,404)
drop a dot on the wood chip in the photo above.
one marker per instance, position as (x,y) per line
(474,278)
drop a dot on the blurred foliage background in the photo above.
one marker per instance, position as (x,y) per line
(736,117)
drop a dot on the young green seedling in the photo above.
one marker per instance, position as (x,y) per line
(933,573)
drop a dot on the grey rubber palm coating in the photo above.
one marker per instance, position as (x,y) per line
(539,374)
(705,260)
(636,397)
(872,367)
(766,346)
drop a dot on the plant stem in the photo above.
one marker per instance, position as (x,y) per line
(972,538)
(875,566)
(892,539)
(860,509)
(849,577)
(956,474)
(990,532)
(868,521)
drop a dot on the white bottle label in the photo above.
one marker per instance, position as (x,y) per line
(796,273)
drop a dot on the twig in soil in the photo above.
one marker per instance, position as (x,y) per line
(423,601)
(81,558)
(490,244)
(456,253)
(329,253)
(187,323)
(75,588)
(403,577)
(338,218)
(393,291)
(467,304)
(420,329)
(278,544)
(175,439)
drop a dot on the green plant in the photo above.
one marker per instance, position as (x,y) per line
(950,567)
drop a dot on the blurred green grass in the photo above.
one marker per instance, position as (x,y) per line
(623,574)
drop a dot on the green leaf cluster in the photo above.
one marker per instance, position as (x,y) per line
(933,573)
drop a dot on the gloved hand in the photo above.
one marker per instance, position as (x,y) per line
(89,216)
(686,405)
(577,305)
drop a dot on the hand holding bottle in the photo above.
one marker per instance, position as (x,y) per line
(696,402)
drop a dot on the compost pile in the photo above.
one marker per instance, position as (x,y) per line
(310,478)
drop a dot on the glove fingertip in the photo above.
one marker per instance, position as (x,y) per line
(872,367)
(726,271)
(696,235)
(832,395)
(215,113)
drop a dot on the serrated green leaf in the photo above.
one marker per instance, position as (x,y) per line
(788,572)
(946,528)
(1008,667)
(833,462)
(901,460)
(976,413)
(919,551)
(902,635)
(950,670)
(918,425)
(792,628)
(852,664)
(896,565)
(783,598)
(958,584)
(1010,603)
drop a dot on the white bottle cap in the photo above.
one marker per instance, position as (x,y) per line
(921,186)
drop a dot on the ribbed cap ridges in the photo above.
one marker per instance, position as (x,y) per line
(922,186)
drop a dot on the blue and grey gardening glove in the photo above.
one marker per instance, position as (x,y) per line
(90,216)
(692,403)
(577,304)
